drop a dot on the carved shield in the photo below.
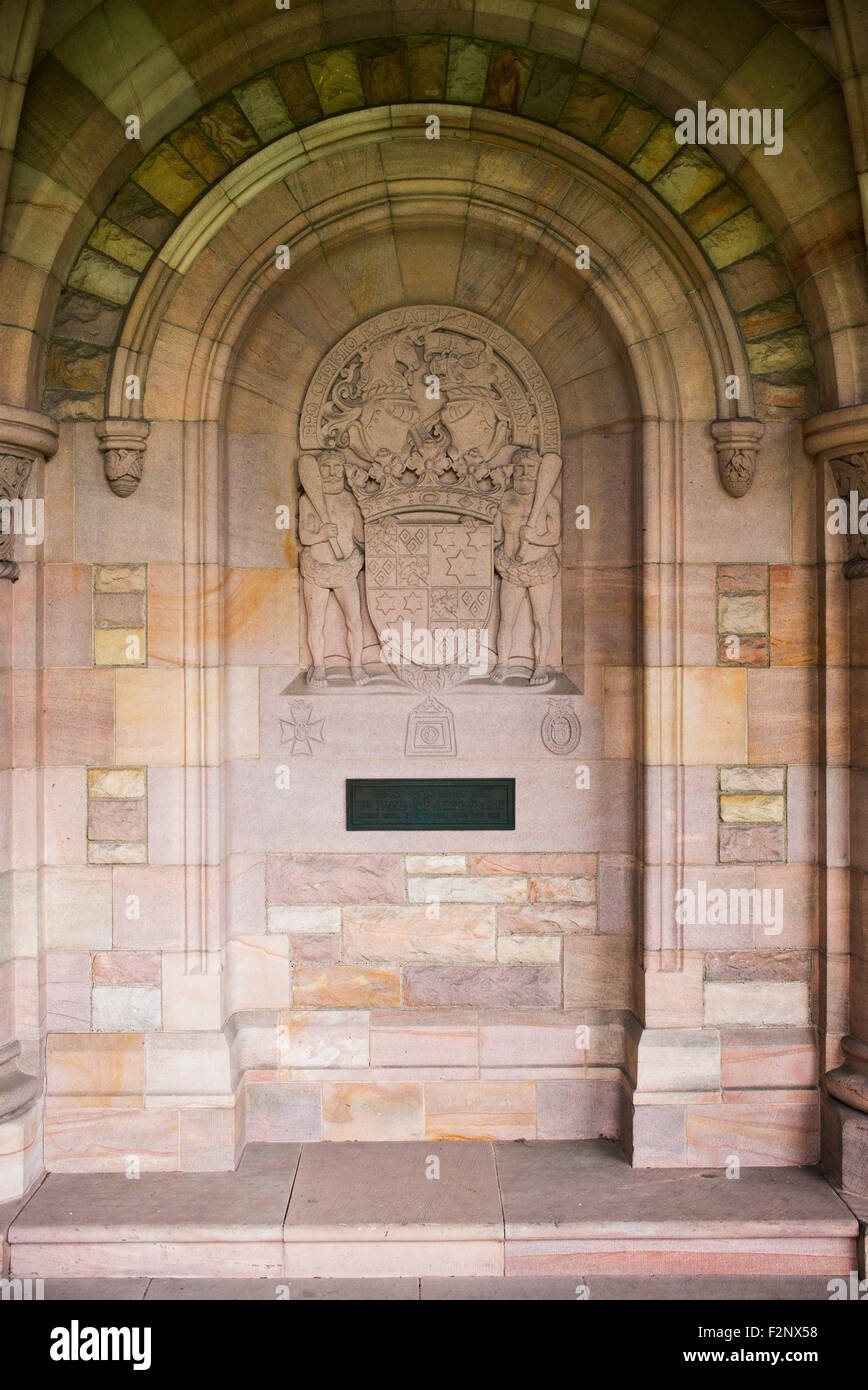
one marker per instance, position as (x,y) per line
(431,583)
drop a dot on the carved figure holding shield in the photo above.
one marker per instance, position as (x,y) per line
(331,533)
(525,557)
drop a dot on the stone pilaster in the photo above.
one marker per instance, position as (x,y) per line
(25,436)
(840,439)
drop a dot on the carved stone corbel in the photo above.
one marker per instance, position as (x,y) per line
(737,444)
(840,438)
(25,436)
(122,444)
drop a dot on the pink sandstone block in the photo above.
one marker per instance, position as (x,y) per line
(578,1109)
(334,878)
(598,972)
(543,1039)
(66,979)
(126,968)
(546,919)
(404,1038)
(480,1110)
(78,718)
(570,864)
(67,636)
(85,1140)
(758,1134)
(156,893)
(483,986)
(752,844)
(561,889)
(324,948)
(116,820)
(759,1058)
(451,932)
(282,1112)
(757,965)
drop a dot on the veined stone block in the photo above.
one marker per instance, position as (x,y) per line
(751,779)
(324,1038)
(447,931)
(750,810)
(391,1110)
(496,889)
(560,890)
(316,985)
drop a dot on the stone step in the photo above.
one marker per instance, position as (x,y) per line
(567,1209)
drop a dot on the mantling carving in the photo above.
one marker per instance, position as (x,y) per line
(850,472)
(25,436)
(15,472)
(122,444)
(840,438)
(447,433)
(737,445)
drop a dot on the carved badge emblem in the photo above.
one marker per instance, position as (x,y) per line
(431,467)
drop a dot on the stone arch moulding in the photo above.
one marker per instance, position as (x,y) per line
(629,302)
(645,308)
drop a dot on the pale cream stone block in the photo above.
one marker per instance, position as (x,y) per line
(150,716)
(302,920)
(119,579)
(77,909)
(498,888)
(119,646)
(257,973)
(325,1038)
(113,852)
(751,779)
(757,1002)
(187,1064)
(435,863)
(125,1009)
(751,810)
(544,949)
(122,783)
(742,613)
(190,1001)
(679,1059)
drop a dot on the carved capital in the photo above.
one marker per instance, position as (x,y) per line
(737,445)
(24,437)
(122,444)
(840,438)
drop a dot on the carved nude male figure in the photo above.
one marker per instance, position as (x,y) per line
(331,533)
(525,557)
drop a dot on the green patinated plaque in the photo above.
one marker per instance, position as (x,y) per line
(431,803)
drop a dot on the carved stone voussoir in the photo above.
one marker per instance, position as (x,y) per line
(122,444)
(737,445)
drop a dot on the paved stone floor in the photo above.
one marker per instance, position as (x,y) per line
(322,1218)
(545,1289)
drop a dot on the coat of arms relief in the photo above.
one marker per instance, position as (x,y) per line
(430,470)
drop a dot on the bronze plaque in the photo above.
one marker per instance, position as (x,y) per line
(431,803)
